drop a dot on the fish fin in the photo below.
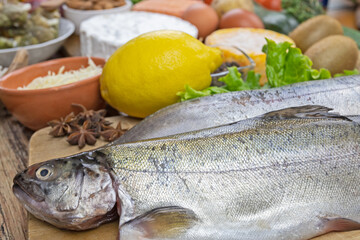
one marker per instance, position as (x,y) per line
(70,199)
(306,111)
(165,222)
(338,224)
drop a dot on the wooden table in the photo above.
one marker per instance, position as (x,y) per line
(14,139)
(13,158)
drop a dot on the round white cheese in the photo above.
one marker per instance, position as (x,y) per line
(101,35)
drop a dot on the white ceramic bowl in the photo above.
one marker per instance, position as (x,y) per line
(78,16)
(42,51)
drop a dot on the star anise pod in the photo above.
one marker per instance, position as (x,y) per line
(63,126)
(91,115)
(110,134)
(84,135)
(100,126)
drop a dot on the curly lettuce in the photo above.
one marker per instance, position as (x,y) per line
(233,82)
(285,65)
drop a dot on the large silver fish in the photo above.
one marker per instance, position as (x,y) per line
(290,174)
(341,94)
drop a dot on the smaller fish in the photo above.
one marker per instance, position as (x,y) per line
(342,94)
(291,174)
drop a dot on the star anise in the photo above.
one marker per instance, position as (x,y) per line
(110,134)
(84,135)
(99,126)
(91,115)
(63,126)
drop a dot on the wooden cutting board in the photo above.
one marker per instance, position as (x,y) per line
(42,147)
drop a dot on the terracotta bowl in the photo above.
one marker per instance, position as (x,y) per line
(34,108)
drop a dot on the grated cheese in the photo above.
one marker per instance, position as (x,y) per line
(62,78)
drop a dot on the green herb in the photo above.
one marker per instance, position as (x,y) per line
(302,10)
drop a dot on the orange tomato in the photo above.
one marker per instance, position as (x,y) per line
(270,4)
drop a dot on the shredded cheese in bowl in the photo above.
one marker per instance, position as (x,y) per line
(62,78)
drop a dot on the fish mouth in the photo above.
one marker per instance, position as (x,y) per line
(19,192)
(23,194)
(18,188)
(34,206)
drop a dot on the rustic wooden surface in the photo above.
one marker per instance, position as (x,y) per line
(13,158)
(14,154)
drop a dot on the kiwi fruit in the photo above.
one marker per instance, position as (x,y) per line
(335,53)
(315,29)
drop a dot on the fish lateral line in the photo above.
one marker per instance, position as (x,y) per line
(315,160)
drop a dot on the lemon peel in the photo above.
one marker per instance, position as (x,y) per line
(145,74)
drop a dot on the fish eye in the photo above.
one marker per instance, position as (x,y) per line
(44,173)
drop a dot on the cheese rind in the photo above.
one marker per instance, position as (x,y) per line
(100,36)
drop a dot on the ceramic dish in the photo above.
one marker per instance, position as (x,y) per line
(42,51)
(78,16)
(34,108)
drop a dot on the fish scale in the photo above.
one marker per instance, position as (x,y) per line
(291,174)
(299,156)
(341,94)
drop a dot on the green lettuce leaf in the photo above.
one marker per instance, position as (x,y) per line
(191,93)
(287,65)
(275,61)
(253,80)
(319,74)
(233,82)
(347,73)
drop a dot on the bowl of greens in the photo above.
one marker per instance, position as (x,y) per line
(42,51)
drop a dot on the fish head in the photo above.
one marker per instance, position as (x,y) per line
(74,193)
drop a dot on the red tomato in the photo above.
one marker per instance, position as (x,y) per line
(240,18)
(208,2)
(270,4)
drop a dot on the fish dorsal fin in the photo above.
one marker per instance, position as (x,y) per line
(165,222)
(306,111)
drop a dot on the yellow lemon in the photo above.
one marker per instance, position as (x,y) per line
(145,74)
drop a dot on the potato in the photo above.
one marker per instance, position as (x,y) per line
(335,53)
(222,6)
(315,29)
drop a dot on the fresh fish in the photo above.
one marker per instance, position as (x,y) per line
(289,174)
(341,94)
